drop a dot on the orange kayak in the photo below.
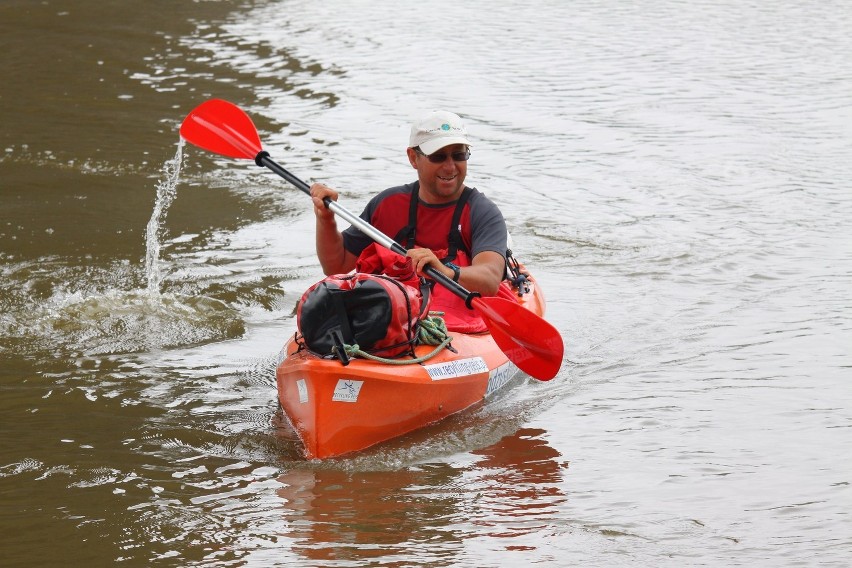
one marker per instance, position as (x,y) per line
(338,409)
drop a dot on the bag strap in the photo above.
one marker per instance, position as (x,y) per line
(336,297)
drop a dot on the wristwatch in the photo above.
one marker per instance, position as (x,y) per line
(456,270)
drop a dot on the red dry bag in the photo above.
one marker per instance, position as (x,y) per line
(380,313)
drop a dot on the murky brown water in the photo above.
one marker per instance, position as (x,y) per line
(676,174)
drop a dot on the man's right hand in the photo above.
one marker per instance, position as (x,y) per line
(319,192)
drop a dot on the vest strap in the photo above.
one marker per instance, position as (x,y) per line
(407,235)
(455,241)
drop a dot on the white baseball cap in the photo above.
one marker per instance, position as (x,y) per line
(437,129)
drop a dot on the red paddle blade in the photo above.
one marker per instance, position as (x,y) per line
(528,341)
(222,128)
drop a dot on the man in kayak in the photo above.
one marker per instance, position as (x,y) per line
(442,222)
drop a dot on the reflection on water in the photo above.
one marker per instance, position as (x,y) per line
(522,484)
(510,490)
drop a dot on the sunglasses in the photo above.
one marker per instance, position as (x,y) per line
(441,157)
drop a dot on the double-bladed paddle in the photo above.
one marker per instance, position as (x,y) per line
(528,340)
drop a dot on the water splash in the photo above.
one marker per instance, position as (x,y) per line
(166,192)
(96,317)
(132,322)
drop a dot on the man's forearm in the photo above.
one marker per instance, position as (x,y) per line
(330,251)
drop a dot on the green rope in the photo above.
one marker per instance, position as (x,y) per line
(433,331)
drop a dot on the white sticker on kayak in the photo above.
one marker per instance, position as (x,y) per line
(347,390)
(458,368)
(303,390)
(498,378)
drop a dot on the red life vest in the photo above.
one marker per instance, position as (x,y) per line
(456,315)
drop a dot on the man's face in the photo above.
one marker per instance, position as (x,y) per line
(441,180)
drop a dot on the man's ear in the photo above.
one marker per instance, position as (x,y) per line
(412,157)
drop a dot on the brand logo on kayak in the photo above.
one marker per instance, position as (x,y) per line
(303,390)
(347,390)
(498,378)
(459,368)
(282,354)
